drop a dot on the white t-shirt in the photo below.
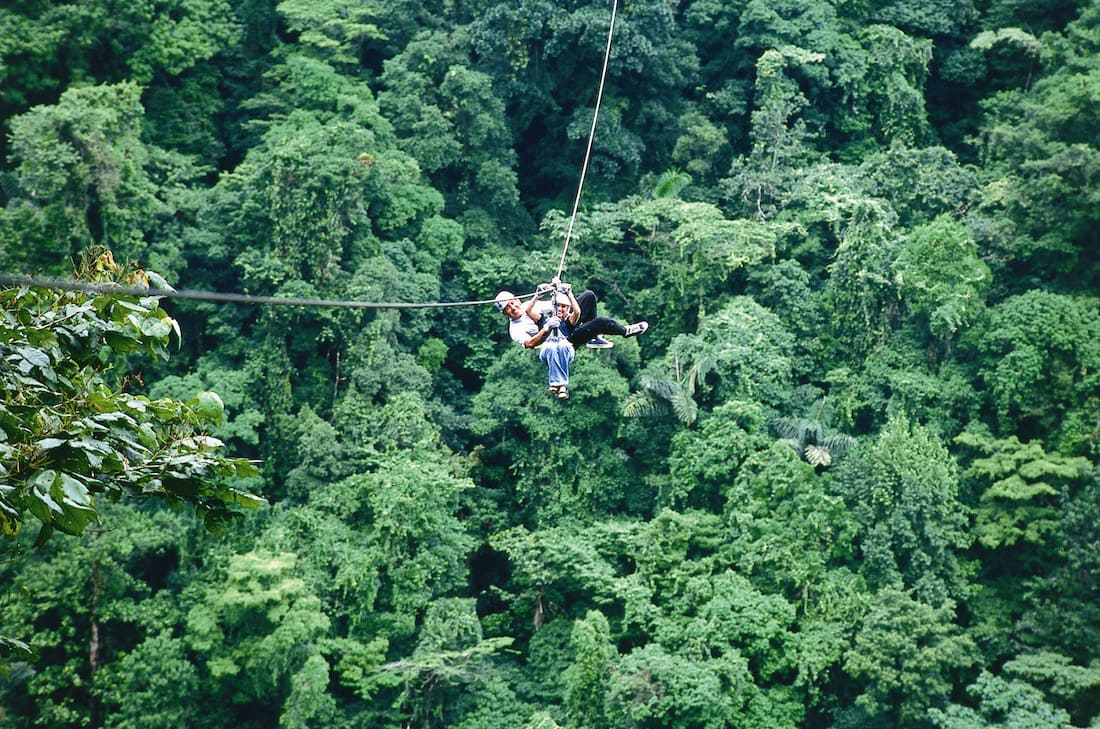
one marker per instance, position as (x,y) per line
(524,327)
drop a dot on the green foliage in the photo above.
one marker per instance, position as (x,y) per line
(423,545)
(762,180)
(1038,209)
(749,350)
(239,419)
(1040,353)
(554,567)
(940,276)
(905,652)
(898,378)
(85,603)
(303,83)
(864,218)
(701,147)
(703,461)
(13,649)
(151,685)
(47,47)
(1069,619)
(903,490)
(545,59)
(450,119)
(1037,592)
(883,85)
(337,31)
(1019,486)
(553,476)
(589,675)
(451,657)
(311,198)
(1001,703)
(260,629)
(1070,686)
(741,352)
(693,250)
(921,183)
(71,431)
(651,686)
(788,530)
(84,177)
(859,297)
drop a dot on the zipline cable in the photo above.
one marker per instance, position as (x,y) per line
(111,288)
(591,136)
(214,296)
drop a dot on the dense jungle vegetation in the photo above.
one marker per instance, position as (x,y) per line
(847,480)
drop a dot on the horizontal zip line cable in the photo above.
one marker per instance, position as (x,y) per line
(214,296)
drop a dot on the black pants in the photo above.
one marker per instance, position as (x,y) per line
(590,326)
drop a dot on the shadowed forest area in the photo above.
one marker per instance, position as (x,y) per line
(847,479)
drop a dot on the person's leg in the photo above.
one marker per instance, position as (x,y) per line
(591,329)
(587,301)
(546,356)
(566,354)
(557,354)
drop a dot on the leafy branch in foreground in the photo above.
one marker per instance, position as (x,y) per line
(69,430)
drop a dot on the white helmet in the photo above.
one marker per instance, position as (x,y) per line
(503,298)
(562,299)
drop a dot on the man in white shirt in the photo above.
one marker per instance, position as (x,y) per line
(535,327)
(538,326)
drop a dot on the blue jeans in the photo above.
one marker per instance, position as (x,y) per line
(557,353)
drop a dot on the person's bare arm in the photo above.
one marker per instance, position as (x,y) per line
(574,307)
(529,310)
(537,338)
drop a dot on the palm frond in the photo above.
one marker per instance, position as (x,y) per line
(803,430)
(685,408)
(670,183)
(807,437)
(642,404)
(700,368)
(789,428)
(817,456)
(839,443)
(665,389)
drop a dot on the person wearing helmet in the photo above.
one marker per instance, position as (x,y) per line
(535,326)
(574,318)
(587,328)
